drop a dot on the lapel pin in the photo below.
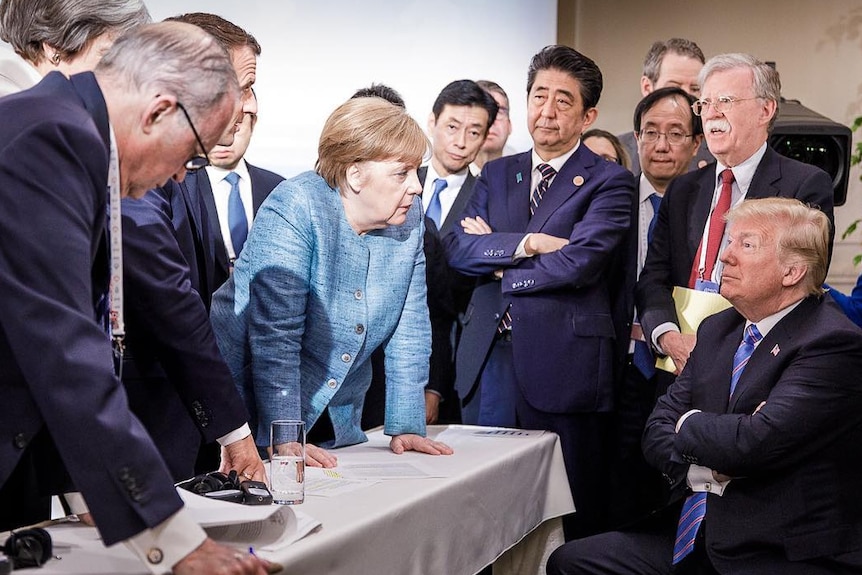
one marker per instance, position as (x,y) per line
(518,177)
(775,350)
(578,180)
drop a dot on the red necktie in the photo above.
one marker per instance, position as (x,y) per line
(716,232)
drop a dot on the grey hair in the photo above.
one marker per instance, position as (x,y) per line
(658,50)
(172,58)
(767,83)
(65,25)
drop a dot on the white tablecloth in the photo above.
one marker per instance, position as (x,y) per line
(494,492)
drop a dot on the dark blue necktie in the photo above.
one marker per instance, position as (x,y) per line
(694,508)
(435,210)
(236,218)
(643,357)
(547,172)
(655,200)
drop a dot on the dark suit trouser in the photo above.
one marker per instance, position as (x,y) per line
(25,497)
(647,549)
(637,487)
(493,401)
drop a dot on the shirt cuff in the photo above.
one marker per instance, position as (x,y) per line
(76,503)
(166,544)
(235,435)
(700,478)
(521,251)
(660,331)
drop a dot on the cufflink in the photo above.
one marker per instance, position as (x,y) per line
(155,555)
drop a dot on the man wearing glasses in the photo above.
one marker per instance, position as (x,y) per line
(177,382)
(69,149)
(738,106)
(668,136)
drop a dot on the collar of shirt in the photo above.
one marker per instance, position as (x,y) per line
(556,163)
(742,175)
(448,194)
(765,325)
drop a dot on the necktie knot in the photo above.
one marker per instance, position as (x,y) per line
(232,178)
(440,185)
(546,170)
(752,335)
(727,176)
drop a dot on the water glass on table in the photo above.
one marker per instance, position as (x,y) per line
(287,462)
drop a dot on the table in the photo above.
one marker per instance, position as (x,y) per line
(499,500)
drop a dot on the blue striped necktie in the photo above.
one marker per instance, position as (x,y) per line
(694,508)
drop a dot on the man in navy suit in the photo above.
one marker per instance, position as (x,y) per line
(738,108)
(760,432)
(64,418)
(459,122)
(177,381)
(539,340)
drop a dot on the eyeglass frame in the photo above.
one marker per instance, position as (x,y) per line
(197,161)
(718,105)
(666,136)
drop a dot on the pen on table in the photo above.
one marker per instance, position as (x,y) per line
(271,566)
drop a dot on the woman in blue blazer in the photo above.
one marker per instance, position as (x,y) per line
(333,268)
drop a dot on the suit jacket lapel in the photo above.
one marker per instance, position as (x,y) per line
(88,89)
(518,175)
(767,357)
(702,200)
(571,177)
(458,205)
(258,191)
(768,172)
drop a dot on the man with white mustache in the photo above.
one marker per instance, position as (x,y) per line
(738,106)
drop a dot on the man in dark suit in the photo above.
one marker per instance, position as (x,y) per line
(254,185)
(64,419)
(459,122)
(740,100)
(668,136)
(177,382)
(540,232)
(763,424)
(676,63)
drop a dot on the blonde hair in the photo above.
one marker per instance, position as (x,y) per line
(801,234)
(367,129)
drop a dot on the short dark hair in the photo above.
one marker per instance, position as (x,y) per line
(380,91)
(573,63)
(465,93)
(654,97)
(227,34)
(658,50)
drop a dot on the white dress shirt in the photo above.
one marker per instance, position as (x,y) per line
(447,195)
(221,195)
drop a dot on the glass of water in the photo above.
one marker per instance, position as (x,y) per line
(287,462)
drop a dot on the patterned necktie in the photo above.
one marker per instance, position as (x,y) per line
(547,172)
(694,508)
(716,231)
(435,211)
(236,218)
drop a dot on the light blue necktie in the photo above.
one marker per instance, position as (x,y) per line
(236,218)
(694,508)
(435,210)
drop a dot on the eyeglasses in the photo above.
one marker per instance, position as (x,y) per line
(674,137)
(721,104)
(197,161)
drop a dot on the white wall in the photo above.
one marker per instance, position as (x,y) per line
(316,54)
